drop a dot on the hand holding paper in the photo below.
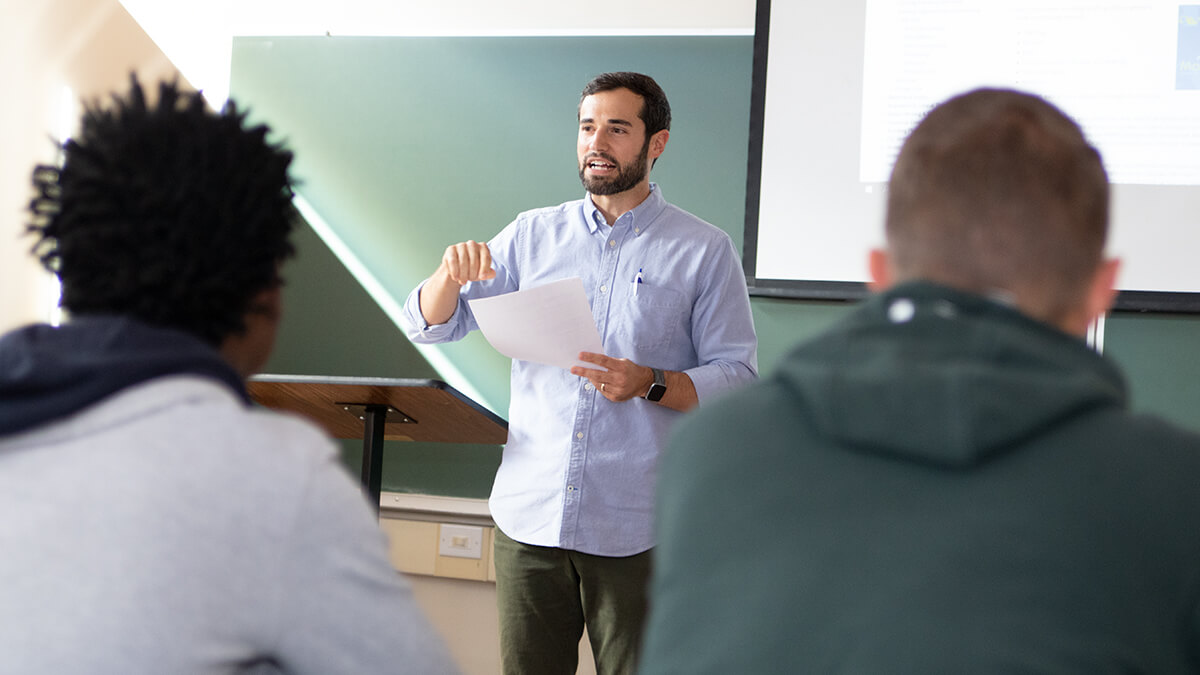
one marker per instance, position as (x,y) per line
(547,324)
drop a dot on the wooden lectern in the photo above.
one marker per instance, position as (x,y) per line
(378,409)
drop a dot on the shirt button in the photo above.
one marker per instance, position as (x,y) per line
(587,385)
(579,435)
(637,230)
(604,289)
(612,242)
(570,488)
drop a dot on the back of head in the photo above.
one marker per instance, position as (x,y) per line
(656,110)
(998,191)
(165,212)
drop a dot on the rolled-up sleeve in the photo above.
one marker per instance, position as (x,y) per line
(463,321)
(723,329)
(456,328)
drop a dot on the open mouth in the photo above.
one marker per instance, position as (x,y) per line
(598,164)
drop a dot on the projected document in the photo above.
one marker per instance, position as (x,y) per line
(1114,67)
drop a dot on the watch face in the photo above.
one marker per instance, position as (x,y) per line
(656,392)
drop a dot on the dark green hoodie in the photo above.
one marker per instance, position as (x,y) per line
(939,484)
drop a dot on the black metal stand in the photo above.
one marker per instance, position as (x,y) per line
(374,420)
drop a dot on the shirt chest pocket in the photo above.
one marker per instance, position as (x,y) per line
(656,317)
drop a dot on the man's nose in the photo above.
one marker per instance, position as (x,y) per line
(598,140)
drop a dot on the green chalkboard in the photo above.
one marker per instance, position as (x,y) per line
(406,145)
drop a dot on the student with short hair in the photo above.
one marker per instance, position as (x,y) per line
(949,480)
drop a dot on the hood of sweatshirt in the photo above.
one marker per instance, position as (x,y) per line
(934,375)
(49,372)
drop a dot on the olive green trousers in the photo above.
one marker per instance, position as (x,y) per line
(546,596)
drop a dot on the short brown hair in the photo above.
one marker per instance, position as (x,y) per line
(999,191)
(655,112)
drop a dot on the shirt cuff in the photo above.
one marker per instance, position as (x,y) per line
(717,378)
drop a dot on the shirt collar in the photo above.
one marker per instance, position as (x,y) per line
(640,217)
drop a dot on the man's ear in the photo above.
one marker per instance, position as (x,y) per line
(248,351)
(268,303)
(1103,290)
(658,143)
(881,270)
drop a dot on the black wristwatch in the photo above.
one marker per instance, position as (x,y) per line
(658,389)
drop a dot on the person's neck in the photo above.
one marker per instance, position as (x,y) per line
(615,206)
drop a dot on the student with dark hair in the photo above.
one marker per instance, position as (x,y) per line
(950,480)
(152,519)
(573,497)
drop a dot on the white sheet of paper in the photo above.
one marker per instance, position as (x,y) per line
(547,324)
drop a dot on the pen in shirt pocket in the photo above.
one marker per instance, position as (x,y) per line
(637,282)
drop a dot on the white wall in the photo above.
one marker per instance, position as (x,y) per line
(89,46)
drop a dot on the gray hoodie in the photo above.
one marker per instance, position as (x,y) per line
(152,521)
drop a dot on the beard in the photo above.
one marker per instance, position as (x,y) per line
(624,177)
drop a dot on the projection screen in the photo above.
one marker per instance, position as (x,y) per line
(837,85)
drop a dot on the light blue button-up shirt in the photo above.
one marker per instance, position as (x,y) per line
(578,470)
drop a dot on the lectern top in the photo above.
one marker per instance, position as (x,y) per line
(418,409)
